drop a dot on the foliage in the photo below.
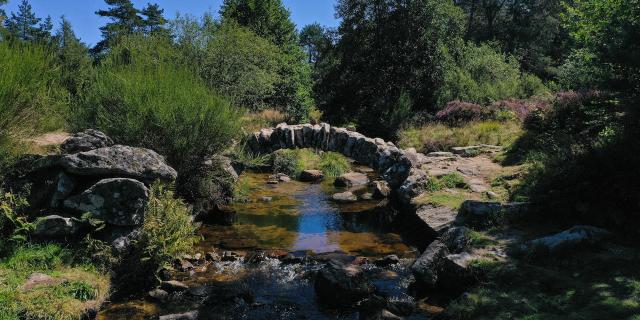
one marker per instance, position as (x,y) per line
(580,288)
(126,20)
(607,34)
(142,101)
(271,20)
(25,26)
(458,112)
(482,75)
(14,229)
(267,118)
(441,137)
(30,99)
(242,66)
(530,30)
(333,164)
(267,18)
(293,161)
(72,59)
(168,230)
(383,49)
(77,291)
(453,180)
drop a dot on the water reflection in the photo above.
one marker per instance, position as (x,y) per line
(300,216)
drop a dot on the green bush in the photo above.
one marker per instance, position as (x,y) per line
(480,74)
(168,230)
(453,180)
(333,164)
(144,100)
(242,66)
(30,99)
(14,229)
(293,161)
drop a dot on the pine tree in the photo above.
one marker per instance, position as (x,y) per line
(3,15)
(73,58)
(24,24)
(124,21)
(155,22)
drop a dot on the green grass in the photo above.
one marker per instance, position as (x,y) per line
(441,137)
(451,199)
(31,101)
(579,288)
(479,239)
(78,289)
(453,180)
(333,164)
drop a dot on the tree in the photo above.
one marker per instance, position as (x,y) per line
(26,26)
(528,29)
(608,32)
(73,58)
(242,66)
(124,21)
(3,15)
(271,20)
(386,48)
(155,21)
(267,18)
(314,39)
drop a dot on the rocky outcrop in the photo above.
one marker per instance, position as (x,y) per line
(457,239)
(480,214)
(120,161)
(351,179)
(89,139)
(91,176)
(436,219)
(427,267)
(55,226)
(380,189)
(341,286)
(118,201)
(566,240)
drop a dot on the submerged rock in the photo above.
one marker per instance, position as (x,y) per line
(191,315)
(311,175)
(118,201)
(344,197)
(173,286)
(351,179)
(387,261)
(55,226)
(341,286)
(158,294)
(87,140)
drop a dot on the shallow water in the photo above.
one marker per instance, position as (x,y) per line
(300,218)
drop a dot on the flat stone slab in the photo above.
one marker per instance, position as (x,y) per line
(437,219)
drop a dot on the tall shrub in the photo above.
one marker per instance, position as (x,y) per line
(30,99)
(142,97)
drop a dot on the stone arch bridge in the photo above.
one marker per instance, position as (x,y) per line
(400,168)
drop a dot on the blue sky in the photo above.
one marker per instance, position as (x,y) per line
(86,23)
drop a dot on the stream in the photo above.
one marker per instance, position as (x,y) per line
(280,237)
